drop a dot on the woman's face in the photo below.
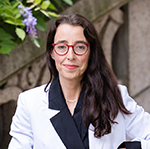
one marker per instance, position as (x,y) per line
(70,66)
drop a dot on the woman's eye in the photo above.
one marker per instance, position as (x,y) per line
(61,47)
(81,47)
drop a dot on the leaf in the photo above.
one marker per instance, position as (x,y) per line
(7,46)
(8,43)
(58,2)
(40,42)
(45,4)
(37,1)
(53,14)
(5,50)
(15,4)
(4,35)
(37,8)
(51,6)
(45,13)
(41,25)
(10,22)
(30,1)
(14,22)
(17,13)
(1,10)
(8,10)
(20,33)
(2,30)
(7,16)
(36,43)
(33,5)
(8,13)
(19,22)
(69,2)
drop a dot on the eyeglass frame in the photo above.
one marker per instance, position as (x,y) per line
(87,44)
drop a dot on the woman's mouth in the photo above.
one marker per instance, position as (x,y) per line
(70,66)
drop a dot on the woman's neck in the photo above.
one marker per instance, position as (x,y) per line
(71,88)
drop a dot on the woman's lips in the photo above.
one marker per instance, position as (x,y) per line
(70,66)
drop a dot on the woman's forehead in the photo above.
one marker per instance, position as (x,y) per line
(69,32)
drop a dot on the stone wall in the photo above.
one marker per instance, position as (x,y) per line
(123,32)
(139,52)
(131,51)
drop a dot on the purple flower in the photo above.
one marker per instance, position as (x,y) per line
(20,6)
(29,21)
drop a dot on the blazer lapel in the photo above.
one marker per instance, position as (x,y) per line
(63,121)
(66,129)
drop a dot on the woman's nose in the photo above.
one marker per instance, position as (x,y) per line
(70,54)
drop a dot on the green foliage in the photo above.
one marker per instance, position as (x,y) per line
(13,30)
(6,43)
(41,24)
(69,2)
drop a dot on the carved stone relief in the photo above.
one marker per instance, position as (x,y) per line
(31,76)
(107,29)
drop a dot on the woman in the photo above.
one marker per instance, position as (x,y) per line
(83,107)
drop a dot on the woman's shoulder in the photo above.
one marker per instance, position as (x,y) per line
(123,90)
(34,94)
(35,90)
(128,101)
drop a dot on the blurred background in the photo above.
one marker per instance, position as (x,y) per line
(124,30)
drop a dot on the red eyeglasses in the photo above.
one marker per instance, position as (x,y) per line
(79,48)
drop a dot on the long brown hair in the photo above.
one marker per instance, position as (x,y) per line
(102,98)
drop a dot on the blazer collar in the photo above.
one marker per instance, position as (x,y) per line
(55,97)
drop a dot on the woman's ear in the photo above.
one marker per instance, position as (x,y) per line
(52,55)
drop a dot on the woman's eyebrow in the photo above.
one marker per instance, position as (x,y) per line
(65,41)
(80,41)
(62,41)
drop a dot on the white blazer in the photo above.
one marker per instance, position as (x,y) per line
(31,127)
